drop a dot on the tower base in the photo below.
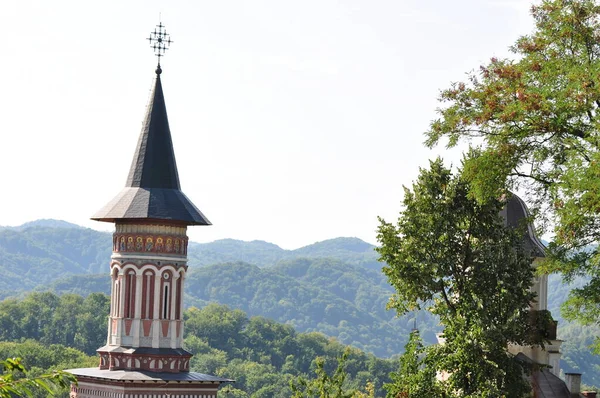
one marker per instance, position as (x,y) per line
(94,382)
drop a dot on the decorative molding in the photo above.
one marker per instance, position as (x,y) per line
(145,229)
(150,243)
(173,363)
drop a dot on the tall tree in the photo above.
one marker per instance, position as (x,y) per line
(414,379)
(536,119)
(453,256)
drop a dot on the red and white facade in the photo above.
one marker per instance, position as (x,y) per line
(148,268)
(144,355)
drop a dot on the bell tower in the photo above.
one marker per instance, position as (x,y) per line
(144,353)
(516,215)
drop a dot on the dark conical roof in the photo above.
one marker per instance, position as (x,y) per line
(515,214)
(153,164)
(152,190)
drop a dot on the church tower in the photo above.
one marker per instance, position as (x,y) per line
(144,354)
(545,360)
(515,214)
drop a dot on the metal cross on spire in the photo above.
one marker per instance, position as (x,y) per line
(160,41)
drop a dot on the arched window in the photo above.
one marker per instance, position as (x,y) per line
(178,297)
(147,295)
(165,293)
(114,300)
(130,294)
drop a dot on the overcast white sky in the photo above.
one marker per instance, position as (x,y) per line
(293,121)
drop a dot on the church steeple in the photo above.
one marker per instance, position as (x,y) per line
(144,353)
(153,164)
(152,190)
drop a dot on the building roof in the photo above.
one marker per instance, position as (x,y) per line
(152,190)
(147,376)
(516,215)
(548,385)
(145,351)
(544,383)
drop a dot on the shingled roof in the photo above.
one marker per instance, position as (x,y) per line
(152,190)
(515,215)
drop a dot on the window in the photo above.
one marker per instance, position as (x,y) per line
(130,294)
(147,295)
(165,312)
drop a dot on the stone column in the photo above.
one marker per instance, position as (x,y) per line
(156,329)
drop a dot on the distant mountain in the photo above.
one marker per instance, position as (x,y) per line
(42,251)
(334,286)
(260,253)
(48,223)
(38,255)
(349,250)
(82,285)
(256,252)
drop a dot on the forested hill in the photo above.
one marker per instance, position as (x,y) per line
(261,355)
(334,286)
(325,295)
(349,250)
(42,251)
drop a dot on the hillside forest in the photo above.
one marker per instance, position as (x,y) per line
(252,308)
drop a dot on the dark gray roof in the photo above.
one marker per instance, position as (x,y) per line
(144,376)
(515,213)
(152,189)
(152,203)
(145,350)
(153,164)
(543,381)
(547,385)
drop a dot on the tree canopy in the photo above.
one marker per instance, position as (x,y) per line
(414,378)
(454,256)
(535,121)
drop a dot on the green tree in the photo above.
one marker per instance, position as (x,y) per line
(453,256)
(218,325)
(323,385)
(231,392)
(91,323)
(14,380)
(536,120)
(413,379)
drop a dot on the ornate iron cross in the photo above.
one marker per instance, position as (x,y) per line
(160,41)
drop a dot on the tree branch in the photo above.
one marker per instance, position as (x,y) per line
(543,181)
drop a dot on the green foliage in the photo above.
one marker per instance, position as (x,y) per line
(323,385)
(46,251)
(453,256)
(350,250)
(324,295)
(413,379)
(36,355)
(576,352)
(260,354)
(69,320)
(536,117)
(15,381)
(343,298)
(342,295)
(263,356)
(39,254)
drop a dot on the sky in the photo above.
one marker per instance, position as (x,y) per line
(292,121)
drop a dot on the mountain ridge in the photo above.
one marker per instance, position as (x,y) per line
(333,286)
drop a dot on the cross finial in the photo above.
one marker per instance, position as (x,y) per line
(160,41)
